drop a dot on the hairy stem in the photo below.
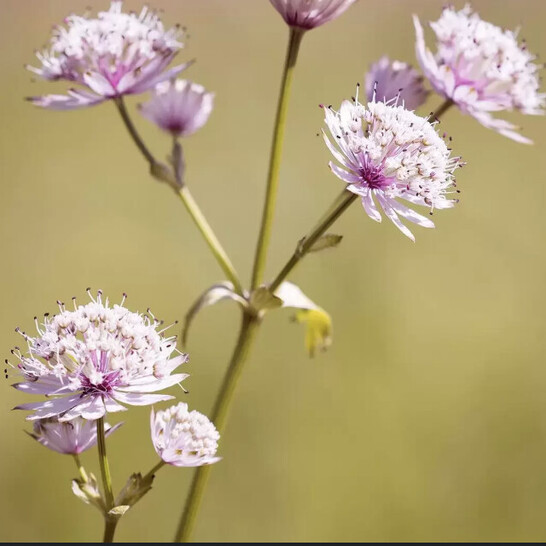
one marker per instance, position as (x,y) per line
(248,329)
(275,158)
(334,212)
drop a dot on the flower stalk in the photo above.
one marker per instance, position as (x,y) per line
(109,522)
(296,35)
(175,180)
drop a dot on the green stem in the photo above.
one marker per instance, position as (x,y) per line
(109,529)
(175,181)
(109,522)
(159,465)
(219,416)
(275,158)
(446,105)
(120,103)
(334,212)
(81,470)
(210,238)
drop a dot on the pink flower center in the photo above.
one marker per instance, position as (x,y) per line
(372,176)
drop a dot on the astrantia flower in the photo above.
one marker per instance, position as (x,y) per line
(112,55)
(180,108)
(481,68)
(307,14)
(93,359)
(388,79)
(70,437)
(184,438)
(388,154)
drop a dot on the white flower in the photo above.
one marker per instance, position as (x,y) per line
(481,68)
(181,107)
(68,437)
(388,154)
(112,55)
(184,438)
(91,360)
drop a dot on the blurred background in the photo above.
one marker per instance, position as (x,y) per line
(426,420)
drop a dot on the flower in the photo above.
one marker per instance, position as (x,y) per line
(184,438)
(481,68)
(112,55)
(388,153)
(70,437)
(180,107)
(91,360)
(308,14)
(388,79)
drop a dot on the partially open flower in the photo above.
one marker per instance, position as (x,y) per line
(70,437)
(481,68)
(112,55)
(91,360)
(184,438)
(388,154)
(308,14)
(387,80)
(180,107)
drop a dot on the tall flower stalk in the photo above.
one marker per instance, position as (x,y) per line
(296,35)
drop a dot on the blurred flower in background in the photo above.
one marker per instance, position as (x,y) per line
(184,438)
(112,55)
(179,107)
(481,68)
(388,79)
(69,437)
(308,14)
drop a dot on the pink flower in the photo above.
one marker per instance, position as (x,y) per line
(388,154)
(71,437)
(91,360)
(481,68)
(180,107)
(112,55)
(388,79)
(308,14)
(184,438)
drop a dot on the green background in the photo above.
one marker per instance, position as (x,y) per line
(426,420)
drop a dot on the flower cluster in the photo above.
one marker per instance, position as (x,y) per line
(112,55)
(387,80)
(308,14)
(481,68)
(388,153)
(91,360)
(180,107)
(68,437)
(184,438)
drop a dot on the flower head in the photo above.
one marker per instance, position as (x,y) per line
(308,14)
(91,360)
(112,55)
(387,154)
(388,79)
(179,107)
(481,68)
(70,437)
(184,438)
